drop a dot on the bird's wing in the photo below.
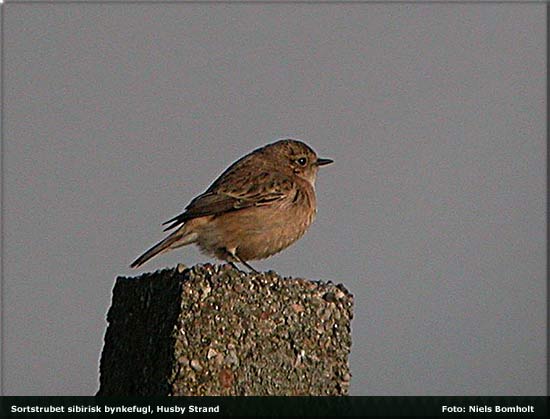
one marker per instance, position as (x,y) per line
(234,192)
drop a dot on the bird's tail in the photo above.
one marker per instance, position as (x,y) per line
(177,239)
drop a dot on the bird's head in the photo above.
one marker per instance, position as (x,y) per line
(296,157)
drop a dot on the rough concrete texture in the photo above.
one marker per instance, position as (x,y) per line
(213,330)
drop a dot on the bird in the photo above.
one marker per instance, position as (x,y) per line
(258,206)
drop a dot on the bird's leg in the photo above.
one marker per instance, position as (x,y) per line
(246,264)
(233,256)
(236,267)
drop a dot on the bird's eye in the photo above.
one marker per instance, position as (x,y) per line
(302,161)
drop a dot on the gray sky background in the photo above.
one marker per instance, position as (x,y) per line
(433,215)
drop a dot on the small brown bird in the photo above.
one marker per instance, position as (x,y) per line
(260,205)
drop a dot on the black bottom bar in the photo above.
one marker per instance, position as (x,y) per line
(11,407)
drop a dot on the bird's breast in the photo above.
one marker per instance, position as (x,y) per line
(259,232)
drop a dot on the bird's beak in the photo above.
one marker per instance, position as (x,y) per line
(322,162)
